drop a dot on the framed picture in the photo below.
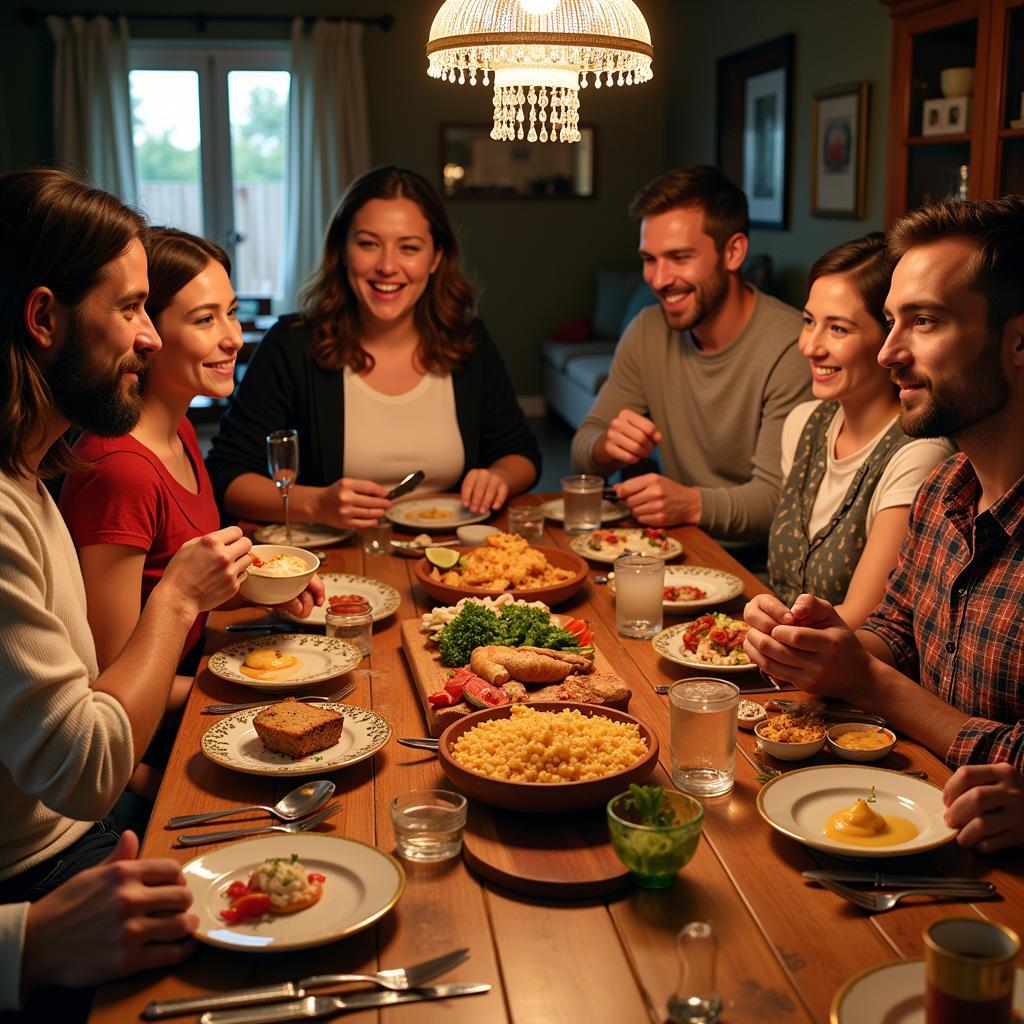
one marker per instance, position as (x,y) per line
(754,126)
(474,166)
(839,126)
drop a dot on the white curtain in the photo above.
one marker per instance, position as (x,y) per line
(328,137)
(92,120)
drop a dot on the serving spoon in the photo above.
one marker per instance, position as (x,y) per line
(297,804)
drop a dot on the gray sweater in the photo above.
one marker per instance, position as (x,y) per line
(720,413)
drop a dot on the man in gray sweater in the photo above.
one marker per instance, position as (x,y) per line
(709,376)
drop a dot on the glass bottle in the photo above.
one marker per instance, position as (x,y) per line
(696,999)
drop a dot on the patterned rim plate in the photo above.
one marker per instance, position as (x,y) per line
(320,657)
(304,535)
(362,884)
(633,538)
(610,510)
(894,993)
(798,804)
(442,511)
(384,599)
(720,586)
(669,644)
(233,743)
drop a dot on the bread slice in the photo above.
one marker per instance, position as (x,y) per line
(298,729)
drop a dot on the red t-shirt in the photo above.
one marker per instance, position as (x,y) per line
(129,497)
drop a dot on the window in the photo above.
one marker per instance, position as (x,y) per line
(210,142)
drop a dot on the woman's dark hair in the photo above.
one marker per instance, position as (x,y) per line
(444,311)
(868,265)
(59,233)
(175,257)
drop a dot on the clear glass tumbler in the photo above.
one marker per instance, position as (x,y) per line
(528,522)
(428,824)
(376,540)
(703,735)
(355,627)
(639,595)
(696,999)
(582,495)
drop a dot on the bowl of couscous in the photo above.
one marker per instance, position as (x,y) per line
(547,757)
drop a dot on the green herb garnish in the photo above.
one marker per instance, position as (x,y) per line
(871,797)
(652,805)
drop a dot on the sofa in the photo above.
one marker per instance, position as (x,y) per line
(578,357)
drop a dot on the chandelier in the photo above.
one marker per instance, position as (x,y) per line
(540,53)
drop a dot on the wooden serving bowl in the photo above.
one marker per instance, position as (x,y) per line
(549,595)
(544,797)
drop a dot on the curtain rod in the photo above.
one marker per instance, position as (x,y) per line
(31,17)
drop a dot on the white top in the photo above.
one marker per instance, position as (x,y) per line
(67,749)
(389,436)
(897,485)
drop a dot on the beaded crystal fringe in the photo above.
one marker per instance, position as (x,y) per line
(553,114)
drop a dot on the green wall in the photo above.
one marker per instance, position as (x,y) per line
(533,261)
(837,41)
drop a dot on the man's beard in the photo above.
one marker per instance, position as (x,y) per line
(708,297)
(90,396)
(966,399)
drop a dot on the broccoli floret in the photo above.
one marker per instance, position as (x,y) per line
(521,626)
(474,626)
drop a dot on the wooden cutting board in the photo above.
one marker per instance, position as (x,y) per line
(559,857)
(429,674)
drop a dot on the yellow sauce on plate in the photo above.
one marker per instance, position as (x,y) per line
(859,825)
(266,663)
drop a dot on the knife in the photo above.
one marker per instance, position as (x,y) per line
(409,483)
(313,1007)
(879,881)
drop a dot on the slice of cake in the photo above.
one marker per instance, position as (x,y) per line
(298,729)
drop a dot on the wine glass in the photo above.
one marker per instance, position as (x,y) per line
(283,462)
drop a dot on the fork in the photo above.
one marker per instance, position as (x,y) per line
(398,979)
(226,709)
(877,902)
(293,827)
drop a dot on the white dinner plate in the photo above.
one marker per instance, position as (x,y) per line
(434,512)
(798,804)
(630,537)
(610,510)
(362,884)
(893,993)
(320,658)
(718,585)
(233,743)
(669,644)
(384,599)
(304,535)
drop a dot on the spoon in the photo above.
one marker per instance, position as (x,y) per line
(406,484)
(298,803)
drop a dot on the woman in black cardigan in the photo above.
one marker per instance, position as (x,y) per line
(384,372)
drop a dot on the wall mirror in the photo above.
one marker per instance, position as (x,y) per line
(474,166)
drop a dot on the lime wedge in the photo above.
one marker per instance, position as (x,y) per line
(443,558)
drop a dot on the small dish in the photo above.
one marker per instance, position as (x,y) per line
(862,756)
(474,536)
(271,590)
(750,714)
(655,854)
(789,751)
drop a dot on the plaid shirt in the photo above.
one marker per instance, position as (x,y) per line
(953,607)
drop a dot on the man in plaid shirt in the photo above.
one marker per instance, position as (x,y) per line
(941,658)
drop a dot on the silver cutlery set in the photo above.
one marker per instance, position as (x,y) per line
(292,1001)
(887,890)
(227,709)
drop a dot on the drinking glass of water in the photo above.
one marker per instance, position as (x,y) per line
(639,594)
(283,463)
(703,734)
(428,824)
(582,495)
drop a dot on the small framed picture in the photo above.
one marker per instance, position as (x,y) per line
(958,114)
(839,150)
(934,120)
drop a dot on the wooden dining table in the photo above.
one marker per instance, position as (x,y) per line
(785,945)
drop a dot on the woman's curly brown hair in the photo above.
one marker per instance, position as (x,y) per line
(444,311)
